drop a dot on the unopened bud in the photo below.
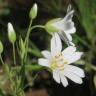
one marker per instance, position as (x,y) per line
(1,47)
(33,11)
(11,33)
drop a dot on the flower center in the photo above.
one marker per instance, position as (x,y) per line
(58,62)
(53,64)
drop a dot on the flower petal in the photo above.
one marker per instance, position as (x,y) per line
(71,43)
(59,24)
(56,76)
(74,57)
(68,23)
(64,80)
(44,62)
(56,45)
(69,36)
(63,37)
(69,16)
(73,77)
(69,51)
(76,70)
(69,27)
(46,54)
(71,30)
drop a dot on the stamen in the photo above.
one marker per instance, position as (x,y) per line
(58,62)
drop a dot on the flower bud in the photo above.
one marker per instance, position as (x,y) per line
(49,26)
(33,11)
(22,48)
(1,47)
(11,33)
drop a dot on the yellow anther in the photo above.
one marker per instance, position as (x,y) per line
(58,62)
(53,66)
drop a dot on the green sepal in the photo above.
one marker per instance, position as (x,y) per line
(49,26)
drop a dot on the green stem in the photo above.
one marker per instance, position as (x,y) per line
(27,39)
(1,59)
(28,68)
(14,54)
(37,26)
(14,57)
(31,81)
(28,34)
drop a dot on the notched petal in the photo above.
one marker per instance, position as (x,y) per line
(46,54)
(44,62)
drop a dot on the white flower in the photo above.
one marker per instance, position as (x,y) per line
(59,61)
(64,26)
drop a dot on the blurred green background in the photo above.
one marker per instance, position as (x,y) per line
(17,12)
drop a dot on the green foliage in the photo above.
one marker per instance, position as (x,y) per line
(88,16)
